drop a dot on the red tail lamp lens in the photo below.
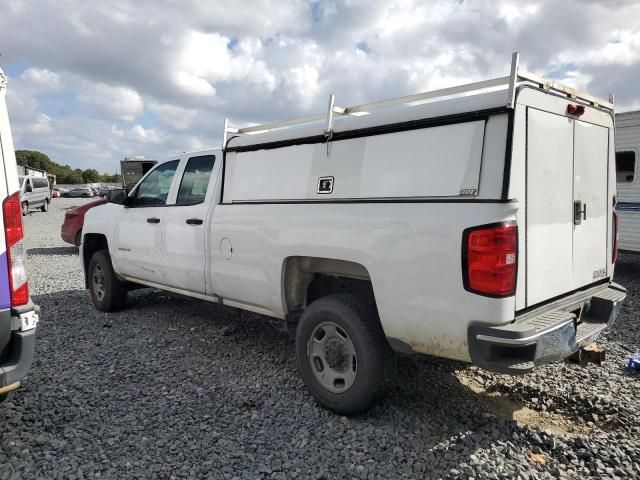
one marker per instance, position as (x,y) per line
(490,259)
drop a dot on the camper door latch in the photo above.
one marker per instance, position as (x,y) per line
(579,212)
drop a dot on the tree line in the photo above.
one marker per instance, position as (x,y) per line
(64,173)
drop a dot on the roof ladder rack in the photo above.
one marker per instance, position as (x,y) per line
(516,75)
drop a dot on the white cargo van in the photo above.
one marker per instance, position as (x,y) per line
(628,204)
(474,223)
(18,314)
(34,192)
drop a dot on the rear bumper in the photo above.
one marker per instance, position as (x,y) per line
(546,335)
(16,354)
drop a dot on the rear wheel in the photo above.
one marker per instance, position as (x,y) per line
(45,206)
(25,208)
(343,356)
(107,292)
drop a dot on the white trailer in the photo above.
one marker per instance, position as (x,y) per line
(474,223)
(628,201)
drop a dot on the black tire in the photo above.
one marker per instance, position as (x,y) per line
(78,238)
(25,209)
(358,318)
(109,294)
(45,206)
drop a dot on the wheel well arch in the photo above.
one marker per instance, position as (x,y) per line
(92,243)
(305,279)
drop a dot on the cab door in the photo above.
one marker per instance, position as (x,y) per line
(184,225)
(138,231)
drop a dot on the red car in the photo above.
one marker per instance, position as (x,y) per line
(71,230)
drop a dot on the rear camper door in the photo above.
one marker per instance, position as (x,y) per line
(567,214)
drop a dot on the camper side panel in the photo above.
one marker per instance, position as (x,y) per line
(628,200)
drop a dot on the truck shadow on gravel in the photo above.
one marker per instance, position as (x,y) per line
(53,251)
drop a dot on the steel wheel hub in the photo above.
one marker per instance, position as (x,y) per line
(332,357)
(98,282)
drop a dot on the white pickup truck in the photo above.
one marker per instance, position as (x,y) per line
(474,223)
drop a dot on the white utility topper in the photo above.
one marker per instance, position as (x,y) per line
(628,204)
(473,223)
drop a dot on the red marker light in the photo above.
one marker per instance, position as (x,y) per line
(576,110)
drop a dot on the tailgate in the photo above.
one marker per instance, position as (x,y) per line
(567,204)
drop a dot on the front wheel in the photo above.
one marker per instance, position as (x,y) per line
(25,209)
(107,292)
(45,206)
(343,355)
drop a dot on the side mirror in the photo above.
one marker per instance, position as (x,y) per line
(28,188)
(118,196)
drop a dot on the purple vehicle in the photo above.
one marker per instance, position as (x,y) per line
(18,314)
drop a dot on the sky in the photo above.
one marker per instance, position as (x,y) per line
(93,82)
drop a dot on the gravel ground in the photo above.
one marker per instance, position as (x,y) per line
(174,388)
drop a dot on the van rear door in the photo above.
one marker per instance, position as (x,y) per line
(567,204)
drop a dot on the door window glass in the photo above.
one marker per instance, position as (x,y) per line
(40,183)
(154,189)
(625,167)
(195,180)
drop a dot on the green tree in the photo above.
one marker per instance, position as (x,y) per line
(33,159)
(64,173)
(90,175)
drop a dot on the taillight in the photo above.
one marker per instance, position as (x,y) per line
(490,259)
(14,234)
(616,237)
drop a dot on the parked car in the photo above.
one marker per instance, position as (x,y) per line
(18,314)
(104,191)
(79,192)
(34,193)
(71,230)
(478,228)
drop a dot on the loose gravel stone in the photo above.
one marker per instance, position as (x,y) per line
(172,388)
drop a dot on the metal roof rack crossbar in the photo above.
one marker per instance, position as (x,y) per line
(516,75)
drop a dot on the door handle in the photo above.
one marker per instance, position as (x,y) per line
(194,221)
(579,212)
(153,220)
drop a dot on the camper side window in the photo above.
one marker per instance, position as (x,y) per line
(625,167)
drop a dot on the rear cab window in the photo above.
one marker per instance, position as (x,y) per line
(626,166)
(195,180)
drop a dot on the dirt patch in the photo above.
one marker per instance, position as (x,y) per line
(498,405)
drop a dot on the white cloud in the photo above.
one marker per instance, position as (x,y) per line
(122,103)
(174,116)
(41,78)
(111,79)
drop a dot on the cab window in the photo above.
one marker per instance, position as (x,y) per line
(195,180)
(154,189)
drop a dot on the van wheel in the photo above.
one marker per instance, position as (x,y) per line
(343,355)
(45,206)
(78,239)
(25,209)
(107,292)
